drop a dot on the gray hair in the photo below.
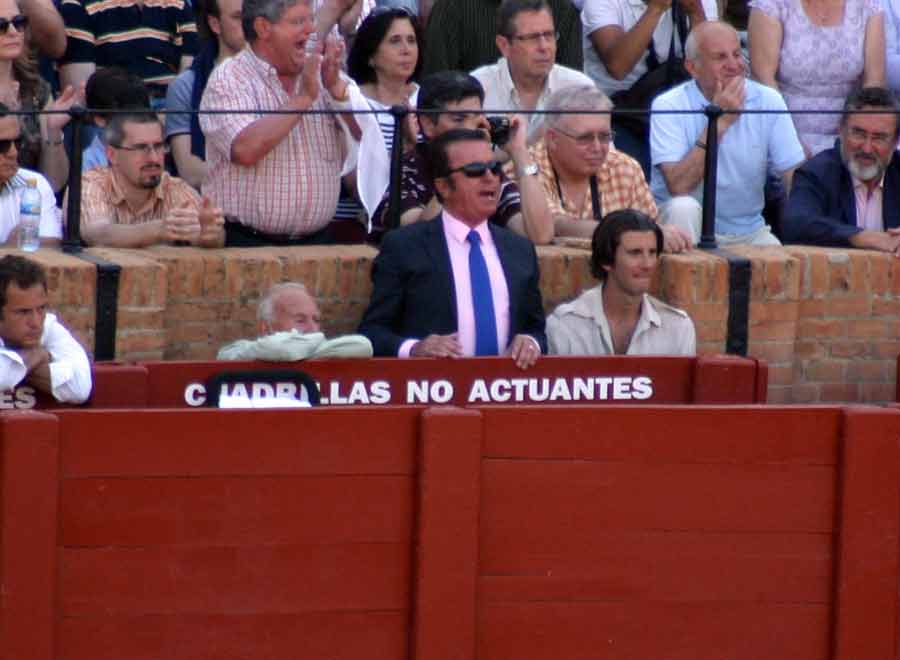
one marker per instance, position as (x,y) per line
(271,10)
(114,133)
(266,309)
(692,44)
(576,98)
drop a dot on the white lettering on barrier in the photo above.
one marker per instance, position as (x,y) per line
(422,391)
(195,394)
(537,390)
(20,398)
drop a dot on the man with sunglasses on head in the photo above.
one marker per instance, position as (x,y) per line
(450,100)
(527,74)
(457,285)
(849,195)
(13,182)
(134,202)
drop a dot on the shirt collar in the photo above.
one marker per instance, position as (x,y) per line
(14,182)
(859,183)
(459,230)
(590,306)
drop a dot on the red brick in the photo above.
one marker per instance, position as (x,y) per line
(773,330)
(824,371)
(839,278)
(872,371)
(839,393)
(886,349)
(848,349)
(814,307)
(880,266)
(805,393)
(810,349)
(867,329)
(886,306)
(879,392)
(780,375)
(848,307)
(773,311)
(810,328)
(859,271)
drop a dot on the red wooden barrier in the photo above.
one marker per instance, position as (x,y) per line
(676,532)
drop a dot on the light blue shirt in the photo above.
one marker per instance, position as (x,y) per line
(748,146)
(94,155)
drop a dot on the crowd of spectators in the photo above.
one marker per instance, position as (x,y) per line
(268,122)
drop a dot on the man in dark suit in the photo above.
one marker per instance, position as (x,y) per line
(849,195)
(457,285)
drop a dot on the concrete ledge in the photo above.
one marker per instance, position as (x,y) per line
(826,320)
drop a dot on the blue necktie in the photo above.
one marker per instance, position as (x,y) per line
(482,299)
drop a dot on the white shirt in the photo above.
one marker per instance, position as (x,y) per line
(11,198)
(626,13)
(70,370)
(500,91)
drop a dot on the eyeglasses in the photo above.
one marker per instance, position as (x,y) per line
(534,37)
(878,139)
(586,140)
(19,22)
(478,168)
(6,144)
(146,149)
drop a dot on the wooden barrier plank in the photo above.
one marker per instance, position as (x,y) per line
(447,535)
(869,572)
(660,565)
(236,510)
(570,497)
(331,635)
(214,442)
(29,465)
(662,434)
(258,580)
(628,630)
(727,378)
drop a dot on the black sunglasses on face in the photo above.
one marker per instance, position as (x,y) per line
(19,22)
(6,144)
(478,168)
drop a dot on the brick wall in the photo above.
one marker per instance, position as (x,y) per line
(826,320)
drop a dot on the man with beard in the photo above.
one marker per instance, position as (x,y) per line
(849,195)
(134,203)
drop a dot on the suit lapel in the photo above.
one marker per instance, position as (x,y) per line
(848,195)
(890,205)
(439,256)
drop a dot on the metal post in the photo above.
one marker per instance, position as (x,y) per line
(392,217)
(708,232)
(72,241)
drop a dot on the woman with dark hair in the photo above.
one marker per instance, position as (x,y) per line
(385,61)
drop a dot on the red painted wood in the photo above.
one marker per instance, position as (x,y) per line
(681,434)
(236,511)
(726,378)
(29,459)
(869,569)
(641,630)
(447,536)
(215,443)
(195,636)
(286,579)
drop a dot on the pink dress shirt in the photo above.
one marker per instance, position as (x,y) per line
(455,231)
(869,205)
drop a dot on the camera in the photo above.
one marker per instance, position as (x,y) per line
(499,130)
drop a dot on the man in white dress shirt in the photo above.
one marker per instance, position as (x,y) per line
(35,348)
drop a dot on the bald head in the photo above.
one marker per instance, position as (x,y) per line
(700,34)
(287,306)
(713,57)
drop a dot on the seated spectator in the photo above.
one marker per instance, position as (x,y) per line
(385,62)
(462,35)
(250,156)
(815,52)
(219,22)
(14,180)
(618,316)
(152,40)
(288,327)
(623,42)
(747,142)
(107,90)
(436,291)
(35,348)
(458,97)
(134,202)
(849,195)
(582,177)
(22,89)
(526,75)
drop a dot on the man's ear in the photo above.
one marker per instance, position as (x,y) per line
(443,185)
(214,25)
(503,45)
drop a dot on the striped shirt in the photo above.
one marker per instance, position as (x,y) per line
(103,201)
(291,191)
(146,37)
(461,35)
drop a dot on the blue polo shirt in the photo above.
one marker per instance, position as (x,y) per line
(748,146)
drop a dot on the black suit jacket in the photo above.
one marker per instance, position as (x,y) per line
(414,294)
(821,209)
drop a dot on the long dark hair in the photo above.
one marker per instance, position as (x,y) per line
(371,33)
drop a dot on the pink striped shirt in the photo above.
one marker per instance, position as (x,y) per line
(293,190)
(869,205)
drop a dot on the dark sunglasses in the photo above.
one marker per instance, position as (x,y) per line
(478,169)
(6,144)
(19,22)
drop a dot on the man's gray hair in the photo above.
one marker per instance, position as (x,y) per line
(271,10)
(576,98)
(266,309)
(692,45)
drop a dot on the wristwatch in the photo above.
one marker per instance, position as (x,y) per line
(529,170)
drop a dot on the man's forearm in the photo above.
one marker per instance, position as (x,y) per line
(123,236)
(255,141)
(536,218)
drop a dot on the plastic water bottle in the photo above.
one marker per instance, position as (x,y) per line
(30,217)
